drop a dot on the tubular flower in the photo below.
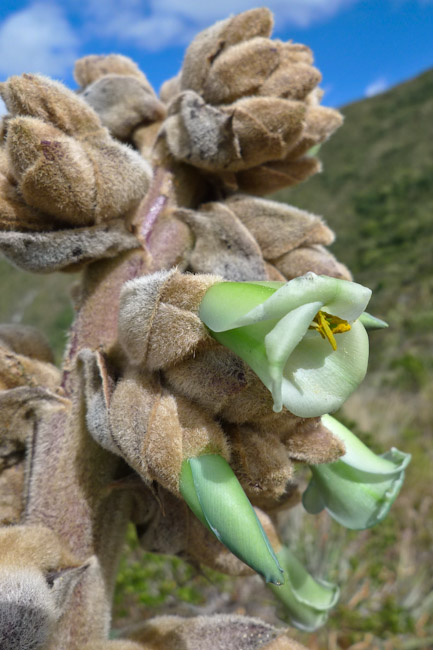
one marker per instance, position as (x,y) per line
(358,489)
(216,497)
(287,333)
(306,600)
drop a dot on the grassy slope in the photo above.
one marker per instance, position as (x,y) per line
(39,300)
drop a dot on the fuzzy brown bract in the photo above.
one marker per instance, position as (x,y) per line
(252,130)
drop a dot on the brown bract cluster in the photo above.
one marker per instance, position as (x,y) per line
(120,93)
(252,129)
(29,389)
(247,238)
(60,168)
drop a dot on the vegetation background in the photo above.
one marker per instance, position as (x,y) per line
(376,192)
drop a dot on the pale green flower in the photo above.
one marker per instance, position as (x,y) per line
(302,338)
(360,487)
(306,600)
(214,494)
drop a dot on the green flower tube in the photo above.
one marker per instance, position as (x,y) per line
(360,487)
(307,601)
(302,338)
(214,494)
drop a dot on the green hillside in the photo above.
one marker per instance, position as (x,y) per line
(39,300)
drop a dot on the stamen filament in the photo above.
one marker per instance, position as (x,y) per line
(327,325)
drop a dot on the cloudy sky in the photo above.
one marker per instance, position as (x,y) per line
(362,47)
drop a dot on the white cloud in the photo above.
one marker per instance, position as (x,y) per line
(376,87)
(296,12)
(156,24)
(37,39)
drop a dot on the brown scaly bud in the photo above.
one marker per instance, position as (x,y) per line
(91,68)
(319,124)
(26,340)
(30,368)
(51,102)
(119,93)
(77,183)
(261,463)
(24,242)
(153,430)
(212,42)
(293,241)
(28,392)
(14,213)
(217,632)
(245,134)
(169,430)
(314,258)
(223,245)
(158,318)
(279,228)
(268,69)
(22,409)
(276,175)
(61,159)
(260,123)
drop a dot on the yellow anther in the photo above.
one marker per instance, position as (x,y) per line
(327,325)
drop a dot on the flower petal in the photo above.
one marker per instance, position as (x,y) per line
(358,489)
(318,379)
(371,322)
(236,298)
(339,297)
(280,342)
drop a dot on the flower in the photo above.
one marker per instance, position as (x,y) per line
(306,600)
(359,488)
(287,333)
(215,496)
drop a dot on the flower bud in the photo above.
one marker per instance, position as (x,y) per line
(216,497)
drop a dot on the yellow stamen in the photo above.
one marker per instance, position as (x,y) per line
(327,325)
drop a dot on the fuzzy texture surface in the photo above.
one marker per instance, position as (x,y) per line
(62,160)
(218,632)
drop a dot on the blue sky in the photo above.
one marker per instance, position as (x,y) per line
(362,47)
